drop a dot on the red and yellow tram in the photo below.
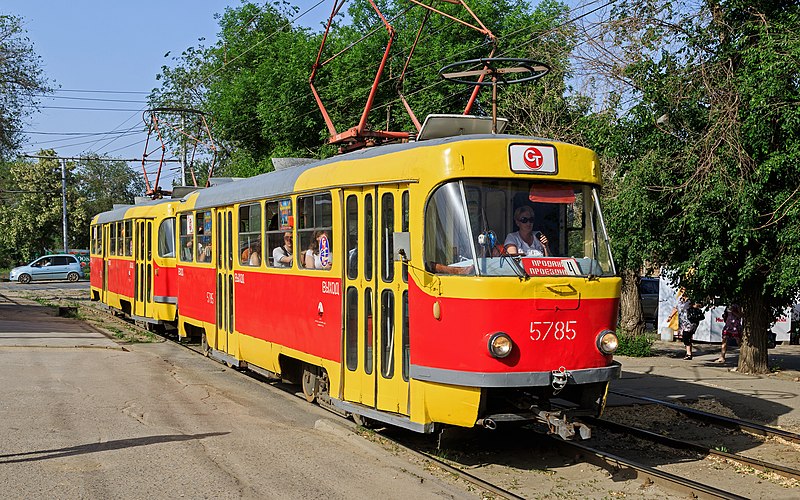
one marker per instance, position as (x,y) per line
(133,261)
(378,280)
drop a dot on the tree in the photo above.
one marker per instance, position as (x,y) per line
(709,183)
(100,183)
(20,80)
(31,216)
(253,84)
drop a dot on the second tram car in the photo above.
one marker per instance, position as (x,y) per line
(133,261)
(380,282)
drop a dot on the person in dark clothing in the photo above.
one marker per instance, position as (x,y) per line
(689,317)
(732,329)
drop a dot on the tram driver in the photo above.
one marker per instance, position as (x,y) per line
(526,241)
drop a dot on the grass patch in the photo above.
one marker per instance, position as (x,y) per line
(638,346)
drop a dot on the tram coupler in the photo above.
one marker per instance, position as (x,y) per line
(557,424)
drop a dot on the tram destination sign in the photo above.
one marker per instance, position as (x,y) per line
(550,266)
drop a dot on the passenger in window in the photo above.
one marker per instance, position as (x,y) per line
(282,255)
(526,241)
(318,255)
(204,254)
(255,254)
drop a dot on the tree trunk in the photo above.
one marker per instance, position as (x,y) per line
(753,354)
(631,319)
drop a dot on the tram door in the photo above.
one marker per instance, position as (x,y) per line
(143,256)
(223,242)
(391,327)
(376,305)
(359,294)
(104,244)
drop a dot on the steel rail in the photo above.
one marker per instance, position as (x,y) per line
(485,485)
(729,422)
(701,449)
(664,479)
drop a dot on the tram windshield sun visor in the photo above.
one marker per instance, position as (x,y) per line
(516,228)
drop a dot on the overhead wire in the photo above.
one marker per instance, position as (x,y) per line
(397,100)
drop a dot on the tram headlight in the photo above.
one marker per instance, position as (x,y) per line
(500,345)
(607,342)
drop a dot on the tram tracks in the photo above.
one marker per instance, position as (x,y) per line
(731,423)
(604,460)
(649,474)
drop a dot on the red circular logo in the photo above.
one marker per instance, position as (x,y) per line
(533,158)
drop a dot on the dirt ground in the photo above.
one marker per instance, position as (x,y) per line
(528,465)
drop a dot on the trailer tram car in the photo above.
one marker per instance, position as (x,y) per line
(410,311)
(133,265)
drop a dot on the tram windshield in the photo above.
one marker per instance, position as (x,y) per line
(516,228)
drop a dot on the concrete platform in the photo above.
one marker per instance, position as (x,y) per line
(25,323)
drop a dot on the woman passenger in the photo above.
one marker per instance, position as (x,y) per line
(312,258)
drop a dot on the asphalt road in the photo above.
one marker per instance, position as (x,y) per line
(84,417)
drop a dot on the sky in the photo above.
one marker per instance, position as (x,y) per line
(102,57)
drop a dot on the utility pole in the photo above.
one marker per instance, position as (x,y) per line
(183,152)
(64,201)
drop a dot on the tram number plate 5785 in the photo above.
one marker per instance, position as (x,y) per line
(558,330)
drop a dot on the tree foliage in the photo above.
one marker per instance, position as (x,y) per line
(20,80)
(31,214)
(254,82)
(708,182)
(32,207)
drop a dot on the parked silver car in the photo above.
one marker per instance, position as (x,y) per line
(49,267)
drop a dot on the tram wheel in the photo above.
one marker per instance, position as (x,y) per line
(363,421)
(309,384)
(24,278)
(204,346)
(73,277)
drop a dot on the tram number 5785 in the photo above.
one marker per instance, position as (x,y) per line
(558,330)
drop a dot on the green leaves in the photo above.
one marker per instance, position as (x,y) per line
(21,79)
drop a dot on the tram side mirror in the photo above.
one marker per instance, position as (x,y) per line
(401,246)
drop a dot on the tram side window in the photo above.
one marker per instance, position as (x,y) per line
(127,238)
(315,231)
(166,238)
(186,237)
(120,239)
(203,236)
(448,248)
(352,237)
(280,241)
(405,216)
(112,239)
(351,329)
(387,334)
(93,244)
(387,237)
(250,235)
(368,237)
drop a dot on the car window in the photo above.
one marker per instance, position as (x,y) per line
(649,287)
(71,260)
(59,261)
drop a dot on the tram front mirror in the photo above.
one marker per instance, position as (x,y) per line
(402,246)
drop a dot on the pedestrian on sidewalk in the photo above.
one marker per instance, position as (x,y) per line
(732,317)
(689,317)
